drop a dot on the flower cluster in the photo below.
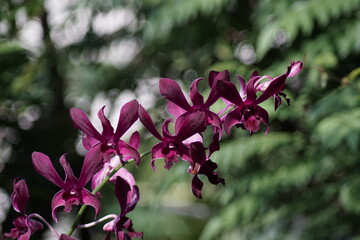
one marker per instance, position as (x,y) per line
(181,137)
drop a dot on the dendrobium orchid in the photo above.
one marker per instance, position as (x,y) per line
(172,146)
(24,225)
(178,105)
(248,114)
(73,191)
(109,140)
(127,194)
(202,165)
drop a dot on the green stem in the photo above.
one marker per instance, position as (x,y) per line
(97,189)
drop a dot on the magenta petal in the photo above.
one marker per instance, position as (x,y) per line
(171,90)
(57,202)
(70,179)
(89,199)
(135,140)
(189,124)
(108,130)
(128,152)
(82,122)
(228,91)
(148,123)
(233,118)
(294,69)
(45,168)
(174,109)
(89,142)
(242,86)
(20,196)
(93,162)
(195,96)
(128,115)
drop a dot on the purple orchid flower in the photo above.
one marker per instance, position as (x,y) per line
(113,162)
(66,237)
(178,105)
(202,165)
(127,194)
(73,191)
(248,114)
(24,226)
(171,146)
(109,140)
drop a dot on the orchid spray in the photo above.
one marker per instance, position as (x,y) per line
(107,153)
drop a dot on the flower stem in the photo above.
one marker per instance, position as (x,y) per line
(35,215)
(106,179)
(87,225)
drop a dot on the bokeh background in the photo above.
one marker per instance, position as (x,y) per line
(300,181)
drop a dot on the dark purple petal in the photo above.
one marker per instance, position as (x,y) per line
(171,90)
(263,114)
(276,85)
(195,96)
(82,122)
(165,129)
(45,168)
(156,153)
(56,202)
(89,142)
(122,188)
(70,179)
(189,124)
(170,158)
(108,130)
(93,162)
(148,123)
(213,95)
(33,225)
(228,91)
(128,115)
(208,169)
(90,200)
(196,186)
(251,90)
(197,152)
(20,196)
(214,145)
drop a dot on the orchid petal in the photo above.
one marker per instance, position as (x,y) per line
(56,202)
(129,152)
(232,118)
(108,130)
(82,122)
(228,91)
(196,186)
(195,96)
(45,168)
(276,85)
(128,115)
(171,90)
(90,200)
(174,109)
(20,196)
(70,179)
(295,68)
(93,162)
(213,95)
(135,140)
(122,188)
(148,123)
(189,124)
(197,153)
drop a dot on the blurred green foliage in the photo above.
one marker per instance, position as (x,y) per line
(300,181)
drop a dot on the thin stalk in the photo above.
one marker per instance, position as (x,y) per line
(35,215)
